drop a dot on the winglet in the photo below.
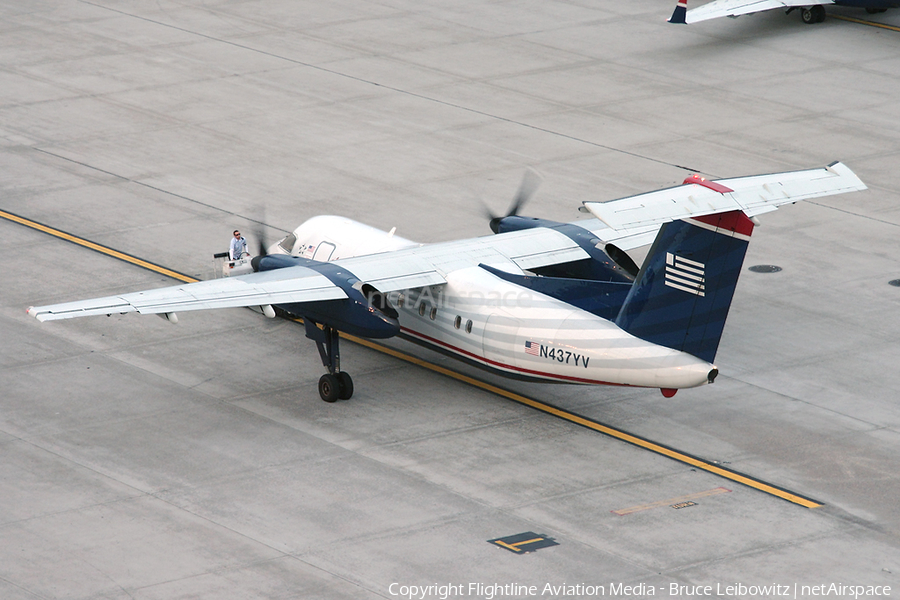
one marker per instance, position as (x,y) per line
(680,13)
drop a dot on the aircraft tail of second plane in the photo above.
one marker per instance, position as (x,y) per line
(680,14)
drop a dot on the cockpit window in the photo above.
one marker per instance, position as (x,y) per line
(287,244)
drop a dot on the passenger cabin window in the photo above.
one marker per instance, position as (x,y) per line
(458,322)
(469,326)
(433,313)
(422,309)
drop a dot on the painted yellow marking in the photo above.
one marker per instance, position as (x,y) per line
(863,22)
(610,431)
(515,547)
(670,501)
(541,406)
(97,247)
(517,544)
(511,547)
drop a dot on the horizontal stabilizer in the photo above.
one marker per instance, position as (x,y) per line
(753,195)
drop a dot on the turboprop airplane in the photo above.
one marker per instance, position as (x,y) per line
(809,13)
(539,300)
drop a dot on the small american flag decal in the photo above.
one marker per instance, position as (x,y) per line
(532,348)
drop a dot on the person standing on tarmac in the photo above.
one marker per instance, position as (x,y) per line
(238,246)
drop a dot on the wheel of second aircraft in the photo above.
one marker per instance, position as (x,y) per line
(345,385)
(329,387)
(806,15)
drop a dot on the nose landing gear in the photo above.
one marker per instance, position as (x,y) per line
(335,384)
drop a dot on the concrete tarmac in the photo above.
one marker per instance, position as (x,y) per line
(152,461)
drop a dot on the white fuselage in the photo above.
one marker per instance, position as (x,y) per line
(484,319)
(327,238)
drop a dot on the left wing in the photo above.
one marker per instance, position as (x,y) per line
(403,269)
(733,8)
(293,284)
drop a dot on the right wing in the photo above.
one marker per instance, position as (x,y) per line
(733,8)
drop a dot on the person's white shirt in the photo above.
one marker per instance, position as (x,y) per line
(238,246)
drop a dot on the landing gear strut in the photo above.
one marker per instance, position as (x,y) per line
(335,383)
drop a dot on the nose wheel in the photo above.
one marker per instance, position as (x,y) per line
(338,386)
(335,384)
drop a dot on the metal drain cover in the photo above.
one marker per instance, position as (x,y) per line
(765,268)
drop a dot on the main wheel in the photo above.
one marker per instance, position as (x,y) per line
(813,14)
(818,13)
(345,384)
(329,387)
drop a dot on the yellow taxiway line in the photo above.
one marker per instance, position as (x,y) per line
(549,409)
(864,22)
(96,247)
(646,444)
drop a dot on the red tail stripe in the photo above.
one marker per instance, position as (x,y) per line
(716,187)
(734,220)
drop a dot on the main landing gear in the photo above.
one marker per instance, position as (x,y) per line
(335,383)
(812,14)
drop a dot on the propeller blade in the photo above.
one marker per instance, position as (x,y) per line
(531,181)
(259,232)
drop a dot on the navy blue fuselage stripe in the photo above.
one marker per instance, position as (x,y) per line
(350,315)
(876,4)
(599,267)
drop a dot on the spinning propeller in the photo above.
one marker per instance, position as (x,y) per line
(531,181)
(259,233)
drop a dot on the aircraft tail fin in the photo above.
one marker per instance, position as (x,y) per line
(680,14)
(681,296)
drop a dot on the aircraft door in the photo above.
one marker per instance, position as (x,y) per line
(499,341)
(324,251)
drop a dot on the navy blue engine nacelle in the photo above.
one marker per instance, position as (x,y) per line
(606,262)
(364,313)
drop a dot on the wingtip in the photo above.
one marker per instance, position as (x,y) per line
(841,170)
(33,312)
